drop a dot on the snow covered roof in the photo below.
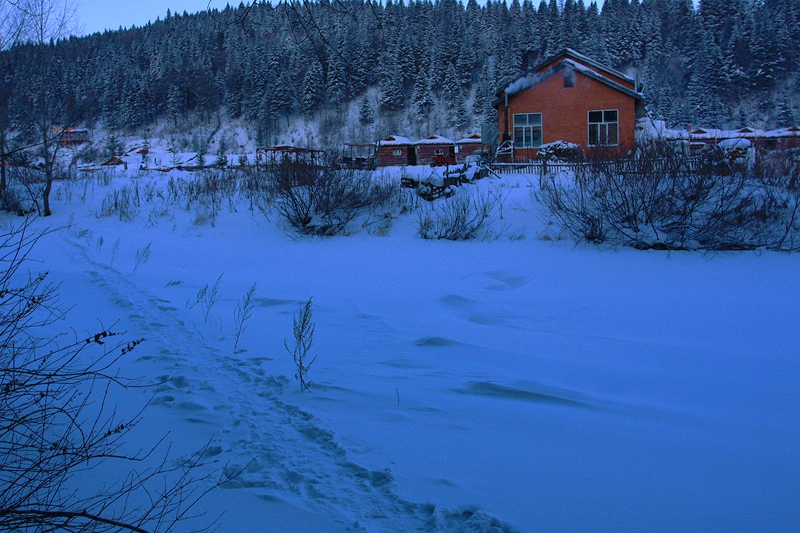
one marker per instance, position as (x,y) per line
(599,77)
(435,139)
(569,52)
(536,78)
(657,129)
(475,138)
(394,140)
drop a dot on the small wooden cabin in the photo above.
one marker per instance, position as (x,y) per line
(115,161)
(436,150)
(468,145)
(396,151)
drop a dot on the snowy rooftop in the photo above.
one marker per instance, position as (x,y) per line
(657,129)
(435,139)
(394,140)
(536,78)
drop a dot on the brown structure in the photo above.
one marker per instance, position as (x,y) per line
(358,156)
(700,139)
(468,145)
(71,136)
(572,98)
(396,151)
(277,155)
(436,150)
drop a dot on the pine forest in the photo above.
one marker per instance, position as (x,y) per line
(360,70)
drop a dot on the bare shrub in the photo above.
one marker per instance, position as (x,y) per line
(22,191)
(674,203)
(123,203)
(206,298)
(325,201)
(241,314)
(461,217)
(56,421)
(303,331)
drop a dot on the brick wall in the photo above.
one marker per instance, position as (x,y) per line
(565,111)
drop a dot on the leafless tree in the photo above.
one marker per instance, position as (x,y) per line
(674,203)
(57,424)
(40,22)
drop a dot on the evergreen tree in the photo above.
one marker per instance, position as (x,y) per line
(336,88)
(392,97)
(313,88)
(421,99)
(174,104)
(365,113)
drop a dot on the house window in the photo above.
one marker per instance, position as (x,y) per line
(397,152)
(438,151)
(527,130)
(604,128)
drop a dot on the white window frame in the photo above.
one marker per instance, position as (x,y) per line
(397,152)
(603,130)
(528,130)
(438,151)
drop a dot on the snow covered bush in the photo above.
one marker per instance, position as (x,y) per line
(463,216)
(559,151)
(674,203)
(325,201)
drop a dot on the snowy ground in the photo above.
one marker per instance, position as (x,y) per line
(517,385)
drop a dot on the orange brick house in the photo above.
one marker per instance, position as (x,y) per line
(569,97)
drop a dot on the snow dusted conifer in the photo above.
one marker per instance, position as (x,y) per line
(421,99)
(451,88)
(484,92)
(336,89)
(313,88)
(174,103)
(392,97)
(365,113)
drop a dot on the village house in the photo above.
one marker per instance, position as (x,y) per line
(696,139)
(436,150)
(396,151)
(71,136)
(468,145)
(572,98)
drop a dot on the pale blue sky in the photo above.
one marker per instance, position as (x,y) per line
(95,15)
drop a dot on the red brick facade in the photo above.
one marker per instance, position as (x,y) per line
(566,90)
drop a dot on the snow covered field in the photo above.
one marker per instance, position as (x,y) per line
(516,385)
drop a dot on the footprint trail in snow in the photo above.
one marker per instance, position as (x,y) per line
(266,442)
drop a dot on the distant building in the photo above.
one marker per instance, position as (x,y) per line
(435,150)
(695,139)
(467,146)
(71,136)
(569,97)
(396,151)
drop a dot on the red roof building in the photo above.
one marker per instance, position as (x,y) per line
(569,97)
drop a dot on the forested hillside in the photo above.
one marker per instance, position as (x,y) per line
(411,67)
